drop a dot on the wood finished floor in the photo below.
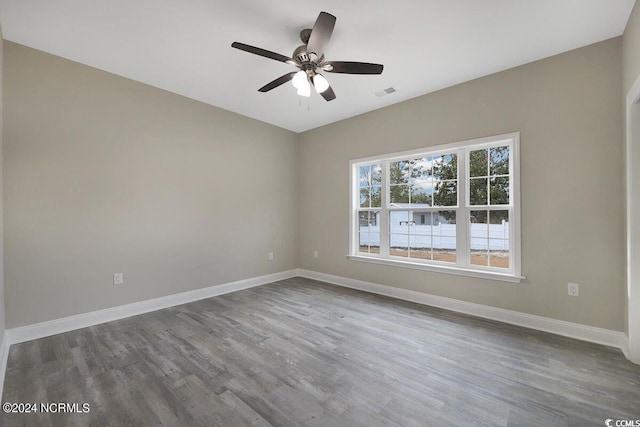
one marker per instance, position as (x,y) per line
(299,352)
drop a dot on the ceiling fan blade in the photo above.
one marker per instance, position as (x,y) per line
(262,52)
(277,82)
(348,67)
(328,94)
(321,34)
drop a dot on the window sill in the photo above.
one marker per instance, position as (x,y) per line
(505,277)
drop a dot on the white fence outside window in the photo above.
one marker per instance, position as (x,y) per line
(443,235)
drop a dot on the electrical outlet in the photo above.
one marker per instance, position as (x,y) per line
(270,256)
(573,289)
(315,254)
(118,279)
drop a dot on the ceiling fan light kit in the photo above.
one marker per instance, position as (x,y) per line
(320,83)
(309,59)
(301,82)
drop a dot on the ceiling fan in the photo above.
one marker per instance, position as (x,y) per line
(309,59)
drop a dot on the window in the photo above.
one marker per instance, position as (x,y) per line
(451,208)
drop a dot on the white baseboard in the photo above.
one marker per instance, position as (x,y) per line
(625,347)
(65,324)
(558,327)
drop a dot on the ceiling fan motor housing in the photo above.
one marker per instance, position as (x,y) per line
(303,59)
(300,54)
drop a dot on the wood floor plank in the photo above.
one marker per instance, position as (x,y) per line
(301,352)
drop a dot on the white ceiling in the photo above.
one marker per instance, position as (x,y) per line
(184,46)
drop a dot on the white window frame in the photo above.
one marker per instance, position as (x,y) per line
(463,265)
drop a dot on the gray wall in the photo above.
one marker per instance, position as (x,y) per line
(2,304)
(106,175)
(569,112)
(631,49)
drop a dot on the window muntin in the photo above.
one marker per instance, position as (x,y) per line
(450,205)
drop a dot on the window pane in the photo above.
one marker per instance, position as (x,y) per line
(399,172)
(399,194)
(499,190)
(499,245)
(498,252)
(368,219)
(478,191)
(444,236)
(421,169)
(368,242)
(446,193)
(478,163)
(376,200)
(445,167)
(479,258)
(422,223)
(365,176)
(447,219)
(499,160)
(479,229)
(399,222)
(499,217)
(489,238)
(479,217)
(363,241)
(425,235)
(479,237)
(363,220)
(422,195)
(420,247)
(445,255)
(399,245)
(364,197)
(376,174)
(374,218)
(499,238)
(374,243)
